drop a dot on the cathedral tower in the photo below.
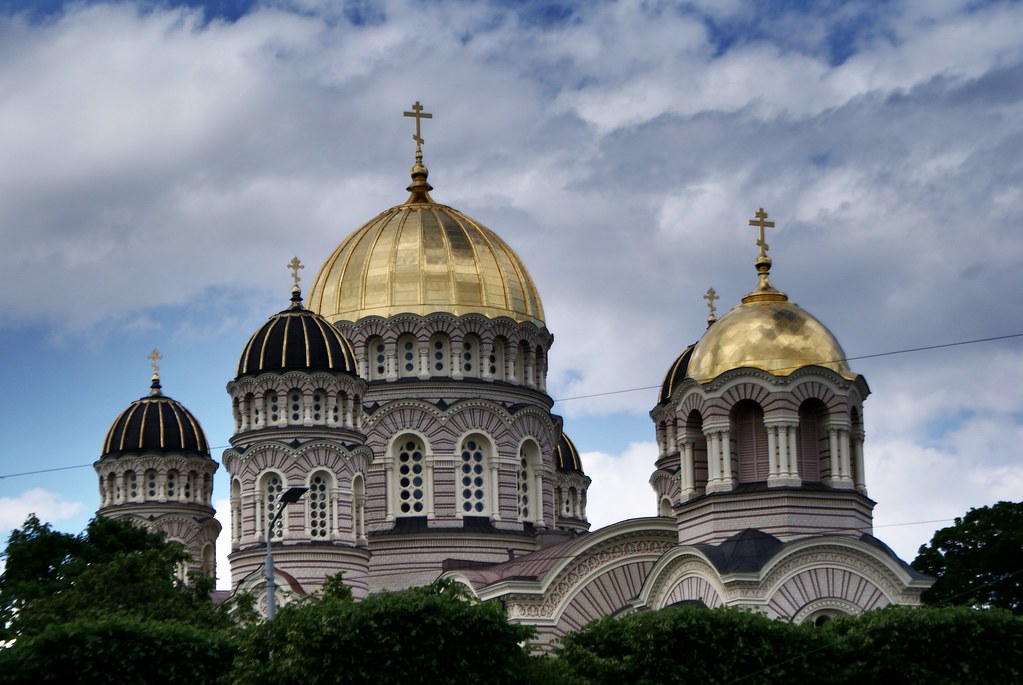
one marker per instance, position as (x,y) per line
(759,425)
(297,403)
(448,330)
(156,469)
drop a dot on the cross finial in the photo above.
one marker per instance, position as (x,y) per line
(295,265)
(761,222)
(419,114)
(155,357)
(711,297)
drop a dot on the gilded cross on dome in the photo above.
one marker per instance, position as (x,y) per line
(711,297)
(761,222)
(419,114)
(155,357)
(295,265)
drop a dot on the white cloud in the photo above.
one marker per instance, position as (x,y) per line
(620,487)
(48,506)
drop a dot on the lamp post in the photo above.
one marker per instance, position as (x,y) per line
(290,496)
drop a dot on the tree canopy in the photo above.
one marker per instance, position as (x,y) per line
(978,561)
(106,606)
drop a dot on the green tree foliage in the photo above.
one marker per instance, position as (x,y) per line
(979,560)
(431,634)
(693,645)
(106,606)
(938,646)
(943,646)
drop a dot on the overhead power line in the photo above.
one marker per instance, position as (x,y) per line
(619,392)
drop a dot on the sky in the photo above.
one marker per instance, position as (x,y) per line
(161,163)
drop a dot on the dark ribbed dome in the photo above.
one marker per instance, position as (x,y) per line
(675,374)
(297,339)
(566,456)
(155,423)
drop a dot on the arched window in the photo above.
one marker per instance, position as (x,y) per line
(750,442)
(497,368)
(189,485)
(251,410)
(812,441)
(411,484)
(172,485)
(273,488)
(470,357)
(376,358)
(664,509)
(209,559)
(131,482)
(273,408)
(359,508)
(319,512)
(438,355)
(319,407)
(408,357)
(236,511)
(694,433)
(152,487)
(295,406)
(474,478)
(530,499)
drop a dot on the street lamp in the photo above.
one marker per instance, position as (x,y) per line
(290,496)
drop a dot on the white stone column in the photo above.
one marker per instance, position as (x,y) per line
(775,458)
(530,372)
(859,471)
(392,486)
(495,489)
(726,459)
(391,357)
(428,484)
(713,461)
(536,499)
(455,358)
(687,469)
(486,349)
(424,359)
(833,455)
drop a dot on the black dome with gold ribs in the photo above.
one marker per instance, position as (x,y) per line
(675,374)
(566,456)
(155,423)
(297,339)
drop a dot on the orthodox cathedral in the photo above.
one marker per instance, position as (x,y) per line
(406,409)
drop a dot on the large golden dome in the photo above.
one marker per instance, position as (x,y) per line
(422,257)
(766,332)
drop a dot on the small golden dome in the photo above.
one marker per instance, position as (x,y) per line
(775,336)
(766,332)
(422,257)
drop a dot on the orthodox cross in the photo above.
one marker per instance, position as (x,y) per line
(155,357)
(295,265)
(711,296)
(761,223)
(418,113)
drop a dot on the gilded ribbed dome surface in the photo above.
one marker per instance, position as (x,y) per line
(296,339)
(155,424)
(566,456)
(776,336)
(422,257)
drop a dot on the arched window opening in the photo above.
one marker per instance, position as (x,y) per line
(665,507)
(152,487)
(295,406)
(376,358)
(273,488)
(497,368)
(694,434)
(470,357)
(474,477)
(318,505)
(411,488)
(812,441)
(408,357)
(209,560)
(172,485)
(189,485)
(251,410)
(131,481)
(438,355)
(318,405)
(236,511)
(750,442)
(273,408)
